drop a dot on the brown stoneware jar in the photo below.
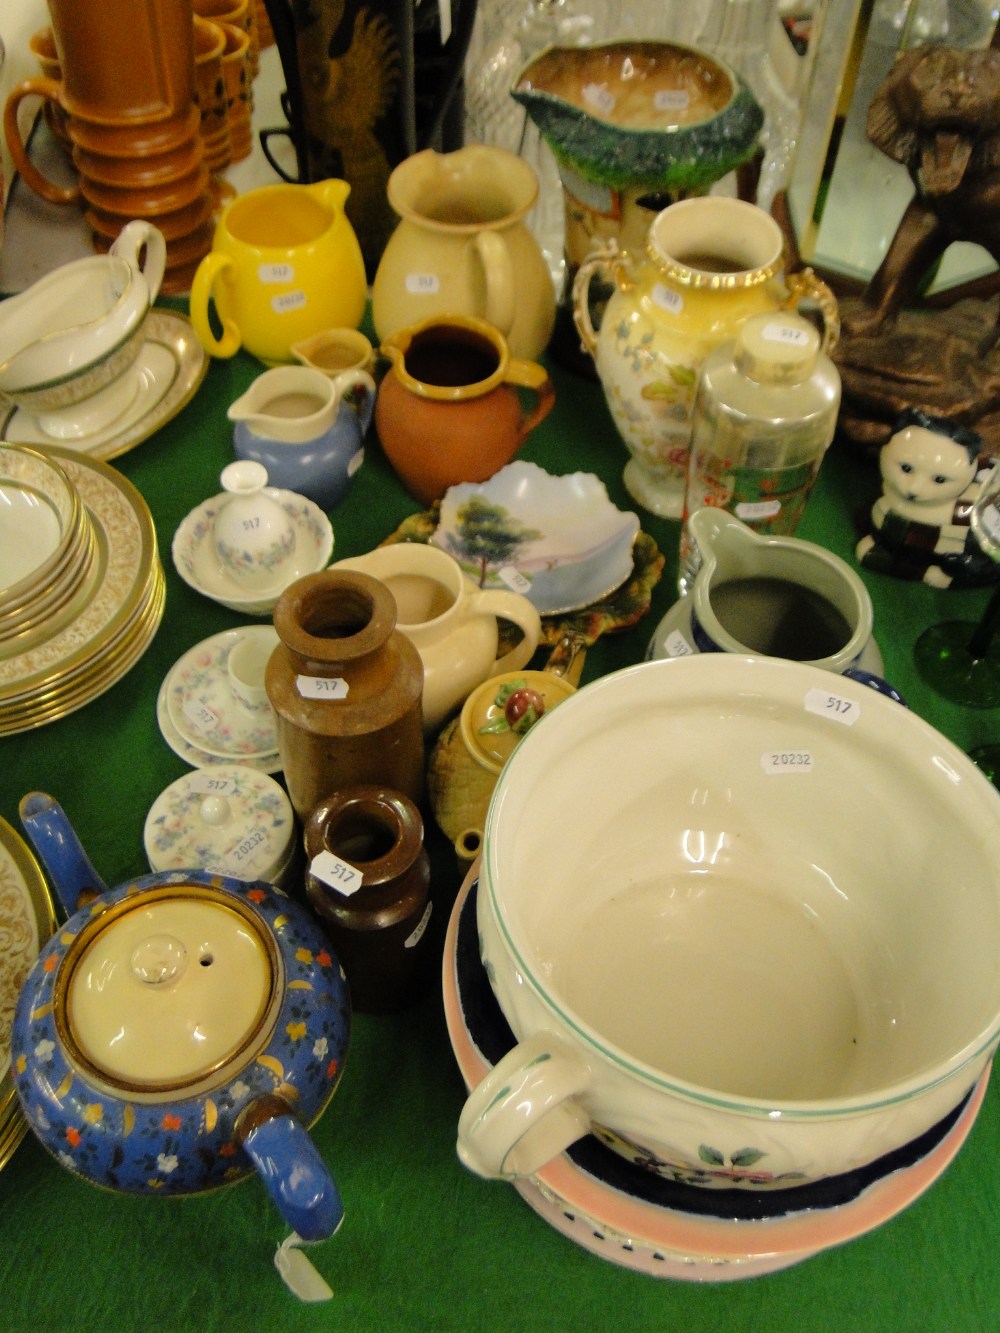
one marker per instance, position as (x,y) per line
(346,687)
(368,880)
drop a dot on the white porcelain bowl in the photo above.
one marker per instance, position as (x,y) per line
(196,557)
(78,329)
(744,919)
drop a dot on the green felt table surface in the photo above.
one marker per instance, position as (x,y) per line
(425,1245)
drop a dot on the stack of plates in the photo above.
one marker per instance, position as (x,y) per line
(84,587)
(28,918)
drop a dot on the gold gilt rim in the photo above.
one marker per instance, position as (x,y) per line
(63,697)
(130,561)
(13,1125)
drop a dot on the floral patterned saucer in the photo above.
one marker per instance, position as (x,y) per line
(667,1228)
(203,707)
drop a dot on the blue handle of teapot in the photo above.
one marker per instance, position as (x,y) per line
(876,683)
(59,849)
(295,1176)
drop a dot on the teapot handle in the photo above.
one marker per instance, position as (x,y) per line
(289,1164)
(501,300)
(805,286)
(608,257)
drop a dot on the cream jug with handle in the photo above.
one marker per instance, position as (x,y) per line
(306,427)
(451,623)
(462,247)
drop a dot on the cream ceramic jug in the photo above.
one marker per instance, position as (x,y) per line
(710,263)
(451,623)
(462,247)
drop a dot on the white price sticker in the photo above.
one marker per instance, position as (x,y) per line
(786,761)
(514,580)
(758,509)
(340,875)
(833,706)
(667,299)
(321,687)
(250,849)
(422,284)
(785,333)
(287,301)
(600,97)
(414,937)
(677,646)
(671,99)
(271,273)
(204,784)
(201,716)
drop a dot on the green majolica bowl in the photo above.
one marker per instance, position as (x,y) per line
(653,115)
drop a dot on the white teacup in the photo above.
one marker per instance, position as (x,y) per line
(245,666)
(743,918)
(451,622)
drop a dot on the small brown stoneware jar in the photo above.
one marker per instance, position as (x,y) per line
(368,880)
(346,687)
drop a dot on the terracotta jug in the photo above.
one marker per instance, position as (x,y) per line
(368,880)
(449,409)
(709,264)
(462,246)
(345,687)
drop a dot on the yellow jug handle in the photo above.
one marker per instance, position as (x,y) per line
(201,293)
(530,375)
(804,285)
(499,271)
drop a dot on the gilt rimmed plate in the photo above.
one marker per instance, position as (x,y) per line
(27,920)
(557,539)
(87,655)
(167,373)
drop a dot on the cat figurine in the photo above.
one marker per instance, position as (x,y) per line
(932,474)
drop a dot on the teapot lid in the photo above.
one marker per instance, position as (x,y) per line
(172,987)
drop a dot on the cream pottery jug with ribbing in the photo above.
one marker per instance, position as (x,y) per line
(462,247)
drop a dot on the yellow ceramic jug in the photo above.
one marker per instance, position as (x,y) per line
(285,264)
(462,247)
(710,263)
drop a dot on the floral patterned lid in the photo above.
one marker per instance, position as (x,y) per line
(228,818)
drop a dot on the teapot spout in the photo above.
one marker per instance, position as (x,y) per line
(74,878)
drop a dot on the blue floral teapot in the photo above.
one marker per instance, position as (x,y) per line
(179,1031)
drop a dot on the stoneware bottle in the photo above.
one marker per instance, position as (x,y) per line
(345,686)
(368,880)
